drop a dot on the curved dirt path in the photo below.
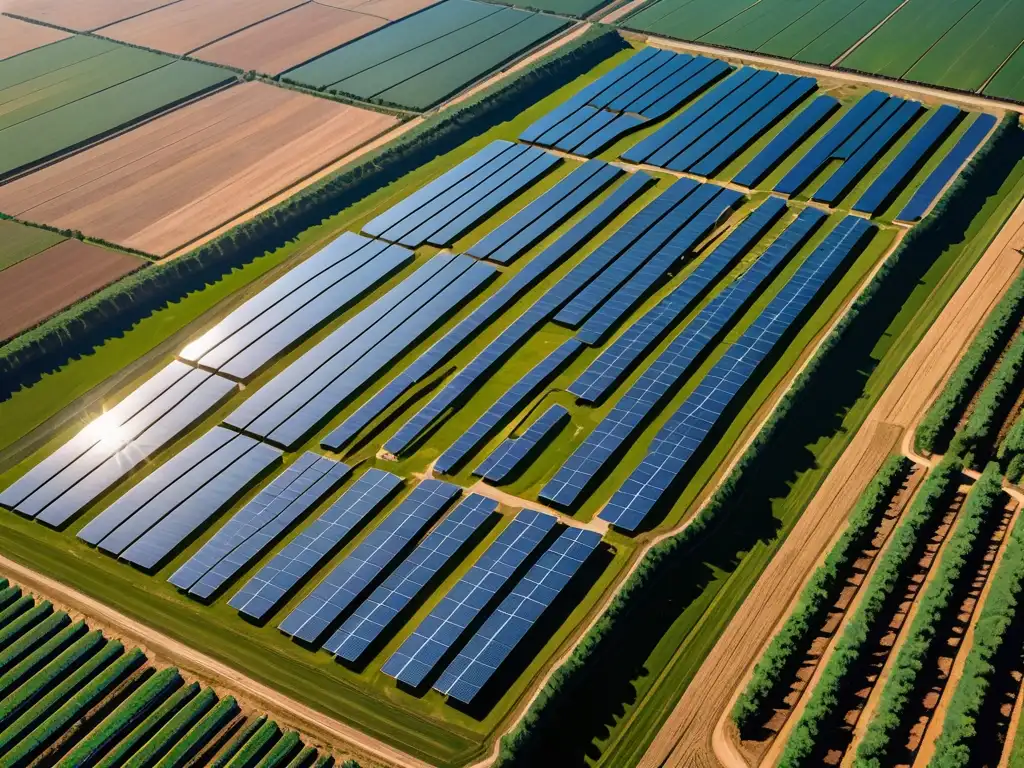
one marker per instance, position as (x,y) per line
(686,738)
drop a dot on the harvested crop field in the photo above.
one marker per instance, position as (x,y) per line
(188,25)
(18,36)
(67,94)
(392,10)
(288,40)
(170,181)
(420,61)
(78,14)
(46,283)
(18,242)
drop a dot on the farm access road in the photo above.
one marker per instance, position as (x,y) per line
(687,737)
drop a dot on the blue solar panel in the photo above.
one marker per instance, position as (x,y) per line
(685,70)
(686,430)
(314,544)
(893,177)
(518,395)
(582,133)
(507,459)
(802,126)
(354,575)
(660,380)
(701,78)
(504,297)
(410,578)
(606,371)
(259,524)
(103,453)
(472,596)
(518,613)
(615,130)
(619,95)
(932,187)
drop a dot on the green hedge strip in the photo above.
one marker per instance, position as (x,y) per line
(148,727)
(8,595)
(282,751)
(31,640)
(304,759)
(254,748)
(25,622)
(239,741)
(1011,452)
(39,658)
(191,743)
(16,608)
(172,731)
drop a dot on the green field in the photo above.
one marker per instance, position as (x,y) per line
(63,95)
(421,60)
(18,242)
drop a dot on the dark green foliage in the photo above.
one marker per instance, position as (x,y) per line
(40,657)
(16,608)
(794,638)
(304,759)
(241,738)
(327,761)
(892,712)
(1011,452)
(190,745)
(32,640)
(8,595)
(23,623)
(256,746)
(145,730)
(282,751)
(173,730)
(908,540)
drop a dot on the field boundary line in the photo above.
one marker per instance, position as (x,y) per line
(1000,68)
(872,31)
(246,27)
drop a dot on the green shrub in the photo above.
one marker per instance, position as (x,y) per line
(25,622)
(986,498)
(282,751)
(145,730)
(240,739)
(1011,452)
(304,759)
(16,608)
(8,595)
(326,761)
(907,540)
(254,748)
(31,640)
(185,750)
(173,730)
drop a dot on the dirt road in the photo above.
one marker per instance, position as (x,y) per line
(686,737)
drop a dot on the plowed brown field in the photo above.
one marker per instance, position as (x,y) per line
(288,40)
(187,25)
(18,36)
(43,285)
(80,14)
(386,9)
(170,181)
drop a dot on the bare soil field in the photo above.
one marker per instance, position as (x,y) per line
(186,25)
(290,39)
(44,284)
(170,181)
(83,15)
(18,36)
(392,10)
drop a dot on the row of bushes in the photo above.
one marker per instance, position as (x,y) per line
(12,630)
(793,640)
(1011,452)
(31,640)
(39,658)
(934,607)
(8,597)
(185,750)
(907,541)
(144,731)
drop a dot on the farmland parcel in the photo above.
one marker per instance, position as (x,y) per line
(18,36)
(74,14)
(18,242)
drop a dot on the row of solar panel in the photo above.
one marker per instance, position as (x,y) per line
(451,205)
(508,458)
(686,430)
(301,396)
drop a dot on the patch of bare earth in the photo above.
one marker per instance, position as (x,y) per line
(18,36)
(79,14)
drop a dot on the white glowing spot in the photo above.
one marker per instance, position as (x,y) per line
(106,432)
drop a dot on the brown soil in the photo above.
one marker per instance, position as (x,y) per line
(186,25)
(287,40)
(79,14)
(46,283)
(385,9)
(173,180)
(18,36)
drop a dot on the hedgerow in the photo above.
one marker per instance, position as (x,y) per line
(282,751)
(26,621)
(8,595)
(794,638)
(254,748)
(240,740)
(1011,452)
(16,608)
(32,640)
(173,730)
(184,751)
(907,540)
(148,727)
(985,499)
(304,759)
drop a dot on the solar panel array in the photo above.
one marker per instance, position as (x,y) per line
(612,365)
(667,372)
(295,305)
(493,307)
(527,227)
(357,573)
(723,123)
(686,430)
(314,544)
(932,187)
(451,205)
(513,400)
(643,89)
(298,398)
(517,614)
(410,578)
(109,448)
(146,524)
(507,459)
(258,524)
(472,596)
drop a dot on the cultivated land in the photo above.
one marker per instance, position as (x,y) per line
(171,180)
(80,16)
(20,241)
(18,36)
(385,9)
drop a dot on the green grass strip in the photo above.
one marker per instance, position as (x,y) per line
(145,730)
(908,539)
(173,730)
(25,622)
(238,742)
(985,500)
(186,749)
(31,640)
(254,748)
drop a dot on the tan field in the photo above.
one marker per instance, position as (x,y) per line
(20,36)
(288,40)
(170,181)
(43,285)
(386,9)
(79,14)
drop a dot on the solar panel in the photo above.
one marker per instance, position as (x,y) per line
(798,129)
(314,544)
(503,298)
(932,187)
(686,430)
(615,130)
(597,121)
(675,97)
(513,400)
(508,457)
(110,447)
(663,376)
(354,575)
(472,596)
(894,176)
(594,383)
(494,642)
(258,524)
(410,578)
